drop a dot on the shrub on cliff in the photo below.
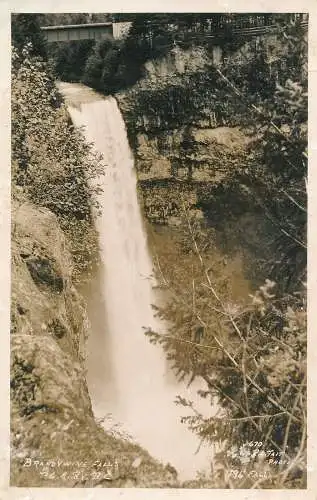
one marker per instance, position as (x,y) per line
(52,162)
(102,65)
(252,357)
(116,64)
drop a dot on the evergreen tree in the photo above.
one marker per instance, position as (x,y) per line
(25,29)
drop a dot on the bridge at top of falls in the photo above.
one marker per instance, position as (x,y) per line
(91,31)
(98,31)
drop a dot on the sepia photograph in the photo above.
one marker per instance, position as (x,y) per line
(159,176)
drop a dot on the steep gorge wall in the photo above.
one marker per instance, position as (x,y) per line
(52,423)
(182,127)
(188,130)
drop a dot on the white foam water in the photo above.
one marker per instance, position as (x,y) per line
(127,375)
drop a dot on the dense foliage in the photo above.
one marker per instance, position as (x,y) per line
(68,60)
(59,18)
(51,163)
(25,28)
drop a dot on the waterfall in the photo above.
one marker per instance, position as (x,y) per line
(127,375)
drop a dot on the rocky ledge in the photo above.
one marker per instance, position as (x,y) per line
(55,440)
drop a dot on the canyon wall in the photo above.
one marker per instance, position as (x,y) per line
(52,422)
(183,128)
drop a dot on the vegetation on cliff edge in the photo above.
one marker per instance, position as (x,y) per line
(51,163)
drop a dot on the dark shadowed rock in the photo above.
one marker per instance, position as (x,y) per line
(43,273)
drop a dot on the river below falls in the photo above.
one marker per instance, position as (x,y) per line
(130,384)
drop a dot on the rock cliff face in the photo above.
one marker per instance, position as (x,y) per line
(55,440)
(187,129)
(182,128)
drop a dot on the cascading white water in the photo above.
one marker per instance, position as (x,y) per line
(131,380)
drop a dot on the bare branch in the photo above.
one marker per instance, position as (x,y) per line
(293,200)
(256,109)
